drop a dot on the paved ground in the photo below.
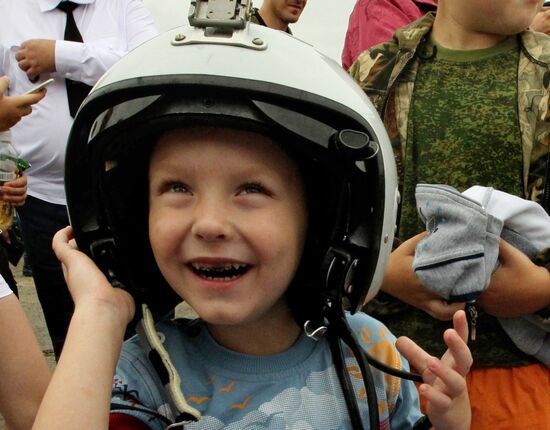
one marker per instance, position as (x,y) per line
(29,301)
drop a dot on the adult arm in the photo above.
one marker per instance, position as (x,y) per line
(87,61)
(401,282)
(24,374)
(79,394)
(13,108)
(518,287)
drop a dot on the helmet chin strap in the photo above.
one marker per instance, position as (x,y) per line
(165,369)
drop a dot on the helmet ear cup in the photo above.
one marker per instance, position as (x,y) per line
(125,199)
(304,295)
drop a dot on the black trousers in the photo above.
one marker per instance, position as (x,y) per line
(40,220)
(5,270)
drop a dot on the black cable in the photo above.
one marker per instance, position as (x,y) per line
(337,320)
(393,371)
(343,376)
(368,380)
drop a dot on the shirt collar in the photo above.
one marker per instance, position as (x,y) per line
(47,5)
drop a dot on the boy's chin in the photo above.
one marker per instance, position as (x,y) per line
(221,318)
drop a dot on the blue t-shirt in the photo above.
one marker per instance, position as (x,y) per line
(296,389)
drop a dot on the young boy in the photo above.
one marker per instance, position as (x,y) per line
(266,203)
(464,97)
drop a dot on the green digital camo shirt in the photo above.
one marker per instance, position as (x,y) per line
(462,100)
(389,74)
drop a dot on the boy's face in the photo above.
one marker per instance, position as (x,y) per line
(500,17)
(227,222)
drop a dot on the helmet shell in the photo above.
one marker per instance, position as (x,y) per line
(303,92)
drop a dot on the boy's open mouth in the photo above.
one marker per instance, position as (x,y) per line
(220,272)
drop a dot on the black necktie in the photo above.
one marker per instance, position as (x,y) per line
(76,91)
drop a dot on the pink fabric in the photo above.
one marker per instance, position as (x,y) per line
(375,21)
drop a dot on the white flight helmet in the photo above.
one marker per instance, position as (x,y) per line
(221,72)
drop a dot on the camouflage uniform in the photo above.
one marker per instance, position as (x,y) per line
(387,74)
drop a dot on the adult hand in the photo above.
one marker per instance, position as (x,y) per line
(15,192)
(12,108)
(444,387)
(518,287)
(87,284)
(541,21)
(401,282)
(36,56)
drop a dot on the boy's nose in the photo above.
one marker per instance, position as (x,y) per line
(211,226)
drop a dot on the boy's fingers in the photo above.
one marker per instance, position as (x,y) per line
(454,382)
(417,357)
(460,324)
(459,351)
(428,376)
(435,397)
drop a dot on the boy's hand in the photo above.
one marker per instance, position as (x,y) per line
(444,387)
(400,281)
(518,287)
(15,192)
(87,284)
(12,108)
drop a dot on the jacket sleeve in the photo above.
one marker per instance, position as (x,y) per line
(87,61)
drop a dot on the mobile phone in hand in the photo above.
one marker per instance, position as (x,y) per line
(40,86)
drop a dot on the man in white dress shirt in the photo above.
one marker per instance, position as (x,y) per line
(32,49)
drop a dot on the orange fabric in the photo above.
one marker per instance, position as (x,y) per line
(514,398)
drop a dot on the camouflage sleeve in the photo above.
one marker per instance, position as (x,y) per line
(372,65)
(372,71)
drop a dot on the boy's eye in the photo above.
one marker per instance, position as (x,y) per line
(178,187)
(252,188)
